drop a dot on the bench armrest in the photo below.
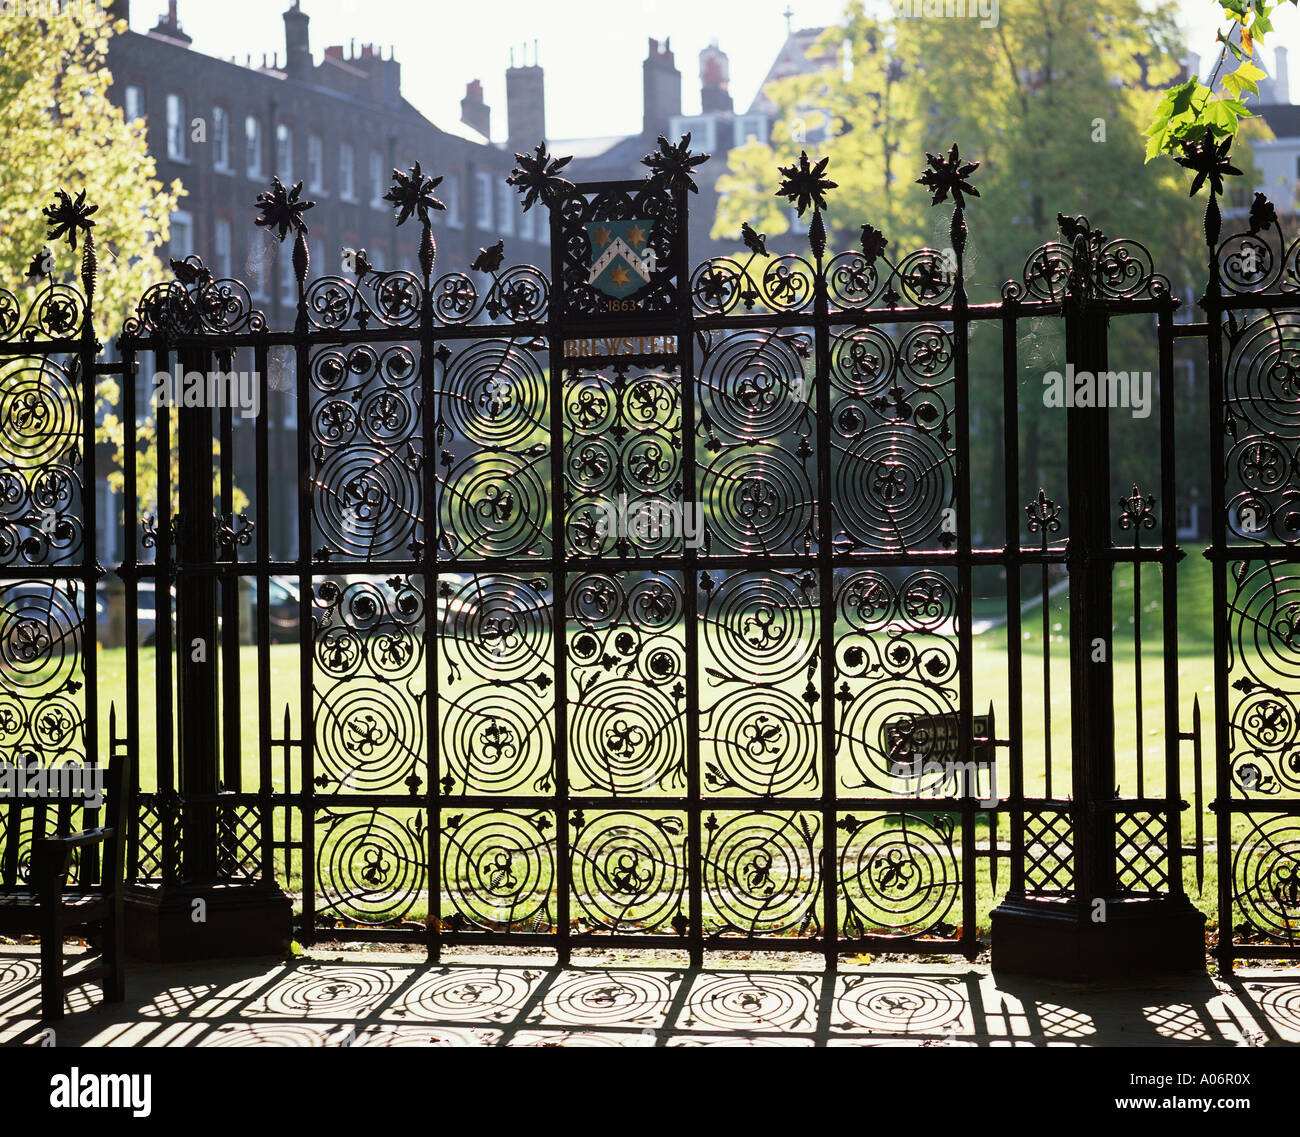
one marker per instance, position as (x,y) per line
(52,857)
(76,840)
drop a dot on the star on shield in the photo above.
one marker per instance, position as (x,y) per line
(622,261)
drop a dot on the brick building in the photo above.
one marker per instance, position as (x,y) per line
(340,126)
(223,127)
(716,130)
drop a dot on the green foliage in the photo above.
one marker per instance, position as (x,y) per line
(62,134)
(1052,103)
(1194,111)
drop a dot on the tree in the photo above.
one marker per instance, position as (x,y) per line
(1051,101)
(60,131)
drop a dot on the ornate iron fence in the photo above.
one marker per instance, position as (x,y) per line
(633,601)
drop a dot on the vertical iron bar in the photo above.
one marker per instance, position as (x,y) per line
(232,725)
(129,574)
(430,412)
(90,528)
(1012,550)
(559,591)
(306,639)
(965,584)
(1219,566)
(262,478)
(690,583)
(1170,555)
(165,757)
(826,612)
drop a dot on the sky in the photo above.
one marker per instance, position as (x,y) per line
(591,50)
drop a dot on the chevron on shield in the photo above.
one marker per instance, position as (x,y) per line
(622,261)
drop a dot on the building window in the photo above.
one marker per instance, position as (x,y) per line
(222,247)
(133,103)
(449,194)
(316,263)
(544,229)
(181,242)
(220,139)
(347,172)
(526,222)
(751,127)
(506,208)
(377,186)
(315,163)
(703,130)
(288,285)
(258,265)
(176,127)
(253,146)
(483,202)
(284,153)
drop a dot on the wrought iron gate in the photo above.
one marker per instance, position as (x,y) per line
(619,611)
(1254,353)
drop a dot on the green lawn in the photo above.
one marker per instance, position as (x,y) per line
(990,684)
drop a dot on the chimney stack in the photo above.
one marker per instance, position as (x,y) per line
(297,48)
(474,112)
(169,26)
(1281,80)
(715,77)
(662,87)
(525,104)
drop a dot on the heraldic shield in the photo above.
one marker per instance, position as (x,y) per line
(622,261)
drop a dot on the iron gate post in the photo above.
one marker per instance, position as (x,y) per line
(200,915)
(1097,931)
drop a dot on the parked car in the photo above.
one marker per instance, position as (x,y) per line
(284,598)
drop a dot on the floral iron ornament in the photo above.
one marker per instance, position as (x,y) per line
(672,167)
(67,217)
(537,177)
(1209,160)
(803,185)
(282,209)
(411,194)
(949,175)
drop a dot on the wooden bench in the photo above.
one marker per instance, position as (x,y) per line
(53,879)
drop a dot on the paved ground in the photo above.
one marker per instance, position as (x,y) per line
(379,999)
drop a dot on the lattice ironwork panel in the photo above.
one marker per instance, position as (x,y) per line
(1141,857)
(626,685)
(629,870)
(41,470)
(1049,850)
(239,843)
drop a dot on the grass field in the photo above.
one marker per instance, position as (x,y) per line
(990,668)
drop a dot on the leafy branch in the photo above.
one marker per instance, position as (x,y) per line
(1195,111)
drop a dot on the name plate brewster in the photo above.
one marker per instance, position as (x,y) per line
(619,252)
